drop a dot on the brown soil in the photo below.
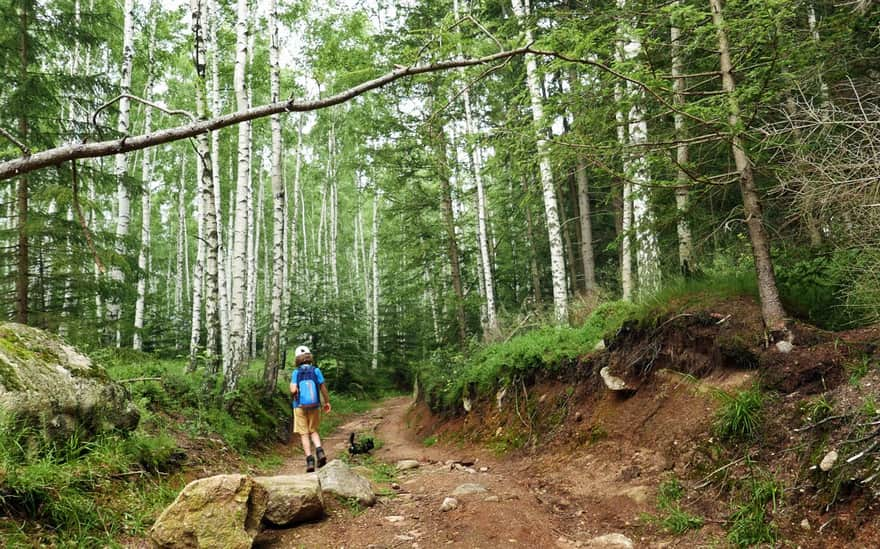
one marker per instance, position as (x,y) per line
(566,460)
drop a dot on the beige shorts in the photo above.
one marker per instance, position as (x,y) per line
(306,420)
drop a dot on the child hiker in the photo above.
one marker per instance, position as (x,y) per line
(308,390)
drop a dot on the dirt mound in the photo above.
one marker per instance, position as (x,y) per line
(605,453)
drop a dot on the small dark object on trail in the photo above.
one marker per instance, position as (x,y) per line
(361,447)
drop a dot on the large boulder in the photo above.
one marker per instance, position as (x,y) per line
(338,479)
(292,498)
(49,385)
(222,511)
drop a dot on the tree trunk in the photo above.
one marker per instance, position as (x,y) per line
(626,278)
(374,259)
(209,240)
(685,242)
(441,157)
(198,274)
(146,178)
(583,196)
(123,213)
(771,306)
(238,297)
(551,210)
(279,223)
(21,275)
(533,255)
(636,170)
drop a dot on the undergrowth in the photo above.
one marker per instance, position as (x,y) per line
(672,517)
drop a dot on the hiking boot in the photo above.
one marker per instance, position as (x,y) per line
(310,464)
(322,457)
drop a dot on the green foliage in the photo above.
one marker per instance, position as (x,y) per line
(748,524)
(429,441)
(817,408)
(446,377)
(859,369)
(739,416)
(673,518)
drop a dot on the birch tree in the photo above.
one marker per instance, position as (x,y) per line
(679,83)
(374,260)
(279,199)
(238,296)
(551,210)
(123,201)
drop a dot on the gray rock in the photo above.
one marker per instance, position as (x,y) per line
(492,499)
(784,346)
(223,511)
(611,381)
(469,488)
(338,479)
(600,345)
(828,461)
(407,464)
(292,498)
(55,389)
(449,504)
(611,541)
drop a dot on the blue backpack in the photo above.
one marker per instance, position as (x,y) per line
(307,382)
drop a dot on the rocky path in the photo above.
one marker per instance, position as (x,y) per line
(503,504)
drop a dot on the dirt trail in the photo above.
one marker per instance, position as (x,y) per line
(516,510)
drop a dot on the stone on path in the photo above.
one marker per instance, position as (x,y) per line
(611,541)
(828,461)
(407,464)
(292,498)
(222,511)
(611,381)
(338,479)
(469,488)
(449,504)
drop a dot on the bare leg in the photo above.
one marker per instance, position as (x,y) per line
(307,447)
(316,439)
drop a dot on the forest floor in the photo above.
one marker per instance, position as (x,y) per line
(566,463)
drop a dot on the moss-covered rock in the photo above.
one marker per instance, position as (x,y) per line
(51,387)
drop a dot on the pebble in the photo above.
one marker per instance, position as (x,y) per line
(828,461)
(805,525)
(492,499)
(407,464)
(395,518)
(449,504)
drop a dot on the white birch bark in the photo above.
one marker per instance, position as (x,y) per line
(198,273)
(685,241)
(551,209)
(209,239)
(180,273)
(626,271)
(214,98)
(473,151)
(238,296)
(374,259)
(636,170)
(294,215)
(146,178)
(279,199)
(123,201)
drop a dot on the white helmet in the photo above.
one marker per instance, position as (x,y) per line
(302,350)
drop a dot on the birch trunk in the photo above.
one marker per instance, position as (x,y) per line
(374,259)
(441,157)
(255,226)
(180,273)
(222,281)
(771,306)
(685,241)
(146,178)
(473,151)
(279,223)
(209,240)
(197,282)
(636,170)
(23,260)
(626,272)
(238,296)
(123,215)
(551,210)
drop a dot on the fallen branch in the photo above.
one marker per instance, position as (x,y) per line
(707,479)
(58,155)
(134,379)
